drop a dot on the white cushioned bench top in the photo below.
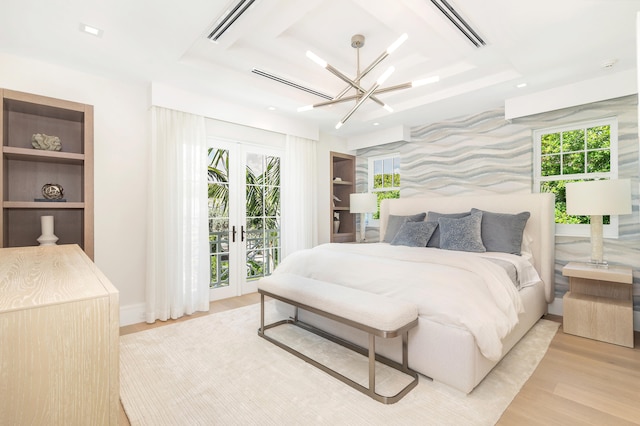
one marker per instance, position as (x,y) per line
(370,309)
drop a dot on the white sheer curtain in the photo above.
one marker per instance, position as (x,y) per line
(299,205)
(178,250)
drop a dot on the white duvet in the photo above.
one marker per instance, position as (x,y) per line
(454,288)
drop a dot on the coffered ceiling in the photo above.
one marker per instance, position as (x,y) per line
(543,43)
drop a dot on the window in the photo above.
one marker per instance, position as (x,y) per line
(573,153)
(384,180)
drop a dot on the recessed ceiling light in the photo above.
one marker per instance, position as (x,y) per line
(376,124)
(91,30)
(521,85)
(609,63)
(271,108)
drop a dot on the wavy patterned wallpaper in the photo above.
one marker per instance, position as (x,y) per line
(484,153)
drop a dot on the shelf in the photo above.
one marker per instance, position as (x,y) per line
(342,182)
(24,170)
(341,209)
(25,154)
(42,205)
(343,237)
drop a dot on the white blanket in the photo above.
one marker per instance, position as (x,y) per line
(453,288)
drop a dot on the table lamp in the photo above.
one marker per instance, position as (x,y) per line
(597,198)
(363,203)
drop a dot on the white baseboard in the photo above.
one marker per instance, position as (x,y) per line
(132,314)
(555,308)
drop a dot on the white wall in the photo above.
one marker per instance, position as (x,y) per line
(121,148)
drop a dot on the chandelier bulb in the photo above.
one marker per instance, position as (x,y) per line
(397,43)
(424,81)
(385,75)
(315,58)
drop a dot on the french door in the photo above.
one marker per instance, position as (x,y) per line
(244,216)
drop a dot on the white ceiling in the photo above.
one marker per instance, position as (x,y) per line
(544,43)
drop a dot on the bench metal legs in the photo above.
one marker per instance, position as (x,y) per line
(370,353)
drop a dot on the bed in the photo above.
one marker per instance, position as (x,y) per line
(474,305)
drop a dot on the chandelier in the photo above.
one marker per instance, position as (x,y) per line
(362,94)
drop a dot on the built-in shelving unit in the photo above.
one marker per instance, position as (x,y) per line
(24,170)
(343,177)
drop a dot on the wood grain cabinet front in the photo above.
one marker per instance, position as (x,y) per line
(59,328)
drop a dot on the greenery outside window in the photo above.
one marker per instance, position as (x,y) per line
(574,153)
(384,181)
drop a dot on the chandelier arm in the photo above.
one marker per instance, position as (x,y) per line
(344,78)
(374,64)
(360,102)
(340,100)
(351,83)
(335,101)
(393,88)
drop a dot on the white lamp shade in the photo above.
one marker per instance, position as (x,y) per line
(599,197)
(363,203)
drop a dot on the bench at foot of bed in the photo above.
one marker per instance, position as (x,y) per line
(375,314)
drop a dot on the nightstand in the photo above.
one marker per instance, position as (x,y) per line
(599,303)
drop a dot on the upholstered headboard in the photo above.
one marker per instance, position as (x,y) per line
(540,226)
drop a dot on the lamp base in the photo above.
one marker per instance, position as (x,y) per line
(363,228)
(600,264)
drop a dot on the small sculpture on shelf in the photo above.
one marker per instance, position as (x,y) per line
(336,222)
(46,142)
(52,191)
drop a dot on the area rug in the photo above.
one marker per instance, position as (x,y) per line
(216,370)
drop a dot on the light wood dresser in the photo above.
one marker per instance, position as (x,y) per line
(599,303)
(59,353)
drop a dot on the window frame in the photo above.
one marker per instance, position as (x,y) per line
(375,223)
(579,230)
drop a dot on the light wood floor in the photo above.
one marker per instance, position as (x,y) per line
(578,382)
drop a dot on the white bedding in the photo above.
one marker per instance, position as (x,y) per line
(454,288)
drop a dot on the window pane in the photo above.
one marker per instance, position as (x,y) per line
(377,181)
(573,163)
(377,174)
(550,144)
(598,137)
(382,196)
(272,201)
(573,140)
(273,171)
(598,161)
(388,173)
(550,165)
(396,172)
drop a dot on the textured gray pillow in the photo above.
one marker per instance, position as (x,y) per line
(462,234)
(502,231)
(395,222)
(433,217)
(414,234)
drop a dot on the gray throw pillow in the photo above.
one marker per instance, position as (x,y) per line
(502,231)
(433,217)
(462,234)
(414,234)
(395,222)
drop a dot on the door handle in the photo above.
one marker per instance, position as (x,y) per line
(242,233)
(233,234)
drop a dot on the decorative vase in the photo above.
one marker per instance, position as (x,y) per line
(336,226)
(47,238)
